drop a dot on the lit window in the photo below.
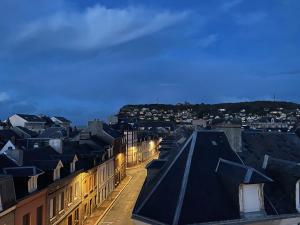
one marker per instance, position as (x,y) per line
(70,194)
(52,209)
(61,200)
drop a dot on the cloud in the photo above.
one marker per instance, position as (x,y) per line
(208,40)
(93,28)
(4,96)
(228,5)
(250,18)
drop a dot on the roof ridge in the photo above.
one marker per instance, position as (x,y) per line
(185,179)
(164,174)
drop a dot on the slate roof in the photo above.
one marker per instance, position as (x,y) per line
(62,119)
(27,131)
(283,152)
(6,162)
(31,118)
(112,132)
(179,192)
(53,132)
(22,171)
(8,135)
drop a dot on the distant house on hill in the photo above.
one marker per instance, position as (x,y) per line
(31,122)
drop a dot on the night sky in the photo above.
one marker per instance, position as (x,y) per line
(85,59)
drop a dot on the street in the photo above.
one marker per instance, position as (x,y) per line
(120,213)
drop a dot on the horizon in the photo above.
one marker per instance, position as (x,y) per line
(87,59)
(84,123)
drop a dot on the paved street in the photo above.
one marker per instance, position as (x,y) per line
(120,213)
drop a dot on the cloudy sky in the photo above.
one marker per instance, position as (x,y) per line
(86,58)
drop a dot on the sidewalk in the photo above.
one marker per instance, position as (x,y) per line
(144,163)
(100,212)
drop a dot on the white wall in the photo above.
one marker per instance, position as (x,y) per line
(16,120)
(6,146)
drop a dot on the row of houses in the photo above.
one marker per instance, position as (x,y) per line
(223,176)
(59,175)
(50,177)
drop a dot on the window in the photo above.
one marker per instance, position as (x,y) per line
(26,219)
(1,207)
(76,217)
(32,184)
(85,187)
(73,166)
(95,180)
(56,174)
(85,211)
(298,196)
(251,198)
(56,171)
(61,200)
(52,208)
(70,221)
(70,194)
(77,190)
(39,215)
(90,184)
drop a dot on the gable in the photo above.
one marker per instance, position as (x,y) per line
(7,146)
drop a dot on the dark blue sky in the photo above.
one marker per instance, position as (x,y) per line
(85,59)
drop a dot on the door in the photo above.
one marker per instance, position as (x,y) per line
(251,197)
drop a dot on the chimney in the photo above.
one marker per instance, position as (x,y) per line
(36,145)
(234,136)
(16,155)
(95,127)
(57,145)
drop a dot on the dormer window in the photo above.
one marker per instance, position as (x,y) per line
(298,196)
(32,184)
(251,198)
(73,165)
(56,172)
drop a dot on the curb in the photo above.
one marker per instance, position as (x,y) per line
(113,202)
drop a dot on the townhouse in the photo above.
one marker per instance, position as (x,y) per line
(59,183)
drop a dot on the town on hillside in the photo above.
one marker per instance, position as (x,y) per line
(232,163)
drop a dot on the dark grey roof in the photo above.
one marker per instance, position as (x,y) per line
(179,193)
(112,132)
(62,119)
(6,162)
(53,132)
(8,134)
(239,173)
(31,118)
(282,152)
(27,131)
(22,171)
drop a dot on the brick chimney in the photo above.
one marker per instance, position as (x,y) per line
(234,135)
(56,144)
(95,127)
